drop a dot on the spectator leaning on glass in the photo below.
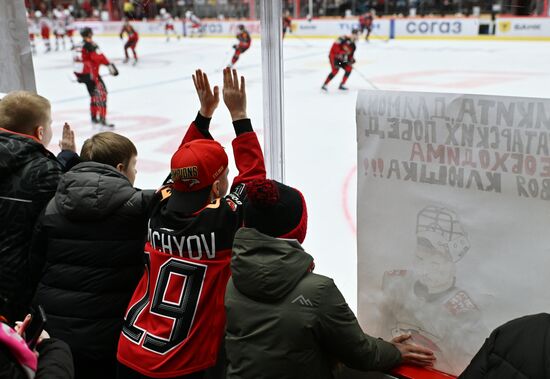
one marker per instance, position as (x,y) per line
(30,174)
(87,252)
(284,321)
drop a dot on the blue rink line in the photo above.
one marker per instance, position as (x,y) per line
(170,81)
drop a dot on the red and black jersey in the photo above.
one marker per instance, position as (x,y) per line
(130,31)
(176,318)
(91,59)
(366,20)
(287,22)
(343,49)
(244,39)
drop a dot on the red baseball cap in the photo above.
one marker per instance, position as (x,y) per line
(194,168)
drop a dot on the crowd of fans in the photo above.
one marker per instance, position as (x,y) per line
(197,279)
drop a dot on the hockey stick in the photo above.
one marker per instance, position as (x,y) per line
(366,79)
(73,79)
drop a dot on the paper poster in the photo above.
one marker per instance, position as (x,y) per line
(453,216)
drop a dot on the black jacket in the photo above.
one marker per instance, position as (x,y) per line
(28,178)
(284,322)
(88,257)
(519,349)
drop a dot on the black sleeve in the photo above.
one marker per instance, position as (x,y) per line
(55,360)
(242,126)
(203,124)
(68,159)
(37,252)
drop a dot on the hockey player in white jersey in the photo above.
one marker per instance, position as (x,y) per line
(193,24)
(33,31)
(426,303)
(69,26)
(59,25)
(44,25)
(168,21)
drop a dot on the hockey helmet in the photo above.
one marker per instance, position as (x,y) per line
(240,27)
(355,31)
(86,32)
(442,228)
(162,11)
(67,12)
(37,14)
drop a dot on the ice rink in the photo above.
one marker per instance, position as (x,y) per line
(153,102)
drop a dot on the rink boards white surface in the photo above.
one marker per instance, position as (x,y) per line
(153,103)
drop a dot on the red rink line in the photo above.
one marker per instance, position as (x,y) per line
(345,200)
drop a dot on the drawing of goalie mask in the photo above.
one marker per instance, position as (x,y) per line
(442,228)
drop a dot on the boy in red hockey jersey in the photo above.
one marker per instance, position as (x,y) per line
(88,59)
(133,38)
(341,56)
(244,43)
(175,323)
(365,23)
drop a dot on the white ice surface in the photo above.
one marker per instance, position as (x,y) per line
(153,103)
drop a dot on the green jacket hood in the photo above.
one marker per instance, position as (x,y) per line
(265,268)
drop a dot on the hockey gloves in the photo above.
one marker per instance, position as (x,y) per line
(112,69)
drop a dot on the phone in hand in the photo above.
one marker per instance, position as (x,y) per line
(36,326)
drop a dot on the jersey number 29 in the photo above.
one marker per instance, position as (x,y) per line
(182,311)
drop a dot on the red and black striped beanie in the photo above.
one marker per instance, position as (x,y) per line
(275,209)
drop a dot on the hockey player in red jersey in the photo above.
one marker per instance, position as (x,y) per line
(341,56)
(244,43)
(133,38)
(365,23)
(175,322)
(287,23)
(88,59)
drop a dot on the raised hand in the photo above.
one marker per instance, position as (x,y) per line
(234,96)
(67,139)
(209,100)
(413,354)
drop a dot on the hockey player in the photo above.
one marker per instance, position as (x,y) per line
(341,57)
(88,59)
(60,23)
(33,31)
(69,26)
(425,302)
(133,38)
(365,23)
(175,323)
(168,24)
(287,23)
(44,26)
(244,44)
(193,24)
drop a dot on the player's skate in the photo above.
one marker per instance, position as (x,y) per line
(342,87)
(135,62)
(126,60)
(106,124)
(324,88)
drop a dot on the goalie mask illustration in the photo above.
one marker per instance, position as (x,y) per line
(442,228)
